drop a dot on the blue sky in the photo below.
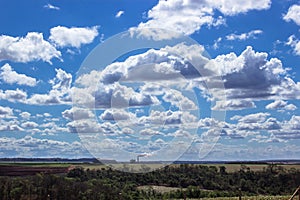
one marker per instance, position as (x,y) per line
(229,91)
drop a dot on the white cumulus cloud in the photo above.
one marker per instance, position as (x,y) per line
(235,104)
(251,118)
(186,17)
(59,93)
(72,37)
(294,43)
(8,75)
(32,47)
(117,115)
(13,95)
(233,7)
(280,105)
(77,114)
(252,76)
(293,14)
(5,111)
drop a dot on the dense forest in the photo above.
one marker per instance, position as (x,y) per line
(192,181)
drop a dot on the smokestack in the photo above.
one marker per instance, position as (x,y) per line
(142,155)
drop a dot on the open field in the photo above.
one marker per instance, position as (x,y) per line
(6,170)
(37,164)
(253,167)
(127,167)
(229,167)
(157,188)
(31,167)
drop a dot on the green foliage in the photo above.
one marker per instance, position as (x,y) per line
(192,181)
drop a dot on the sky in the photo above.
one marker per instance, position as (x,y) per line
(166,80)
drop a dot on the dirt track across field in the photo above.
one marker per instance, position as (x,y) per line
(26,170)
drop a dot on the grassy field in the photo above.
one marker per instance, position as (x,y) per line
(229,167)
(160,189)
(31,164)
(137,166)
(253,167)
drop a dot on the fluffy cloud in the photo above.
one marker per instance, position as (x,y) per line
(244,36)
(257,127)
(13,95)
(157,145)
(290,129)
(293,14)
(44,99)
(84,126)
(49,128)
(5,111)
(35,147)
(253,70)
(177,99)
(178,16)
(72,37)
(208,123)
(294,43)
(32,47)
(293,123)
(247,152)
(188,16)
(252,124)
(59,93)
(25,115)
(62,81)
(29,124)
(246,78)
(280,105)
(117,115)
(77,114)
(167,118)
(10,127)
(235,104)
(8,75)
(120,96)
(147,68)
(251,76)
(246,126)
(234,7)
(155,65)
(149,132)
(127,130)
(251,118)
(265,139)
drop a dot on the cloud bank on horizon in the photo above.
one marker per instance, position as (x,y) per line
(141,102)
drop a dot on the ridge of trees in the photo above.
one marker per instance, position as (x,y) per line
(192,181)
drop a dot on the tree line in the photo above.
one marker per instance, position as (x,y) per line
(192,181)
